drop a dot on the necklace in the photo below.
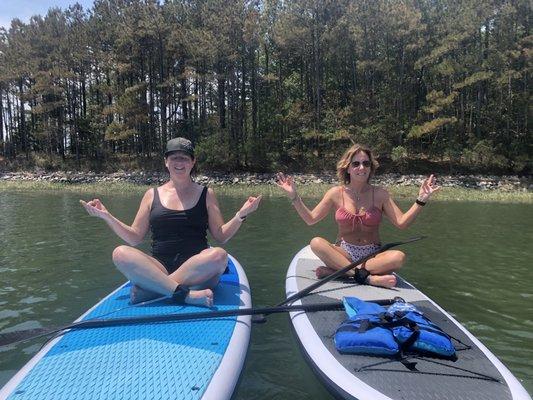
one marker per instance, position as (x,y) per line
(354,193)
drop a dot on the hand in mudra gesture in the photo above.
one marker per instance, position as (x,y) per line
(95,208)
(427,188)
(250,206)
(286,182)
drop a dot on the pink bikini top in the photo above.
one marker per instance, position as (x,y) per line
(371,217)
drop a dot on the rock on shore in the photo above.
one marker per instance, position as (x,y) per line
(503,183)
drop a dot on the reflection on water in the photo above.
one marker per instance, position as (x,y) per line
(476,263)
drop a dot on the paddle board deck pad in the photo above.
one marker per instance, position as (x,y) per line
(199,359)
(477,374)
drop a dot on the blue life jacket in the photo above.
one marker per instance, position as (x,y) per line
(372,329)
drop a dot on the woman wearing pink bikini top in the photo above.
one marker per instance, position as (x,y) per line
(358,209)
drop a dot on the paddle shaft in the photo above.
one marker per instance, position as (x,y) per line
(342,271)
(98,323)
(19,336)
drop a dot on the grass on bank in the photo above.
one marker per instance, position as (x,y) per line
(314,191)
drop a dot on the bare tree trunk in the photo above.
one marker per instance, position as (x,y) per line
(9,144)
(221,90)
(22,123)
(2,150)
(242,112)
(163,95)
(253,84)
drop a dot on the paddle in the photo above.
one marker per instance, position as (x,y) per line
(20,336)
(342,271)
(23,335)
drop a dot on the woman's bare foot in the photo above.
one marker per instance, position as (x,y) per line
(323,271)
(200,298)
(140,295)
(386,281)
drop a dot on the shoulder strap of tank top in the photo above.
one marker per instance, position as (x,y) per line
(373,196)
(203,197)
(155,200)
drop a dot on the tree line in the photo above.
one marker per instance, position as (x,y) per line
(261,84)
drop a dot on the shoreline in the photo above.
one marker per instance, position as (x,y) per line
(481,182)
(476,188)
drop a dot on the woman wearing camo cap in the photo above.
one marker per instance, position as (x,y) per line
(178,213)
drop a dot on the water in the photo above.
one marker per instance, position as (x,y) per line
(476,263)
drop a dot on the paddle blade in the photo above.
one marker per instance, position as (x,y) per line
(20,336)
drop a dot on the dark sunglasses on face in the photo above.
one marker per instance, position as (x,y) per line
(356,164)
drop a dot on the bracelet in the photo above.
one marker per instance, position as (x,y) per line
(242,219)
(297,197)
(420,202)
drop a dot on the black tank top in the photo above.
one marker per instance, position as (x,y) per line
(180,233)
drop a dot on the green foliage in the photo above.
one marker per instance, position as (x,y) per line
(212,153)
(473,79)
(118,131)
(430,126)
(485,154)
(398,154)
(269,84)
(399,157)
(438,101)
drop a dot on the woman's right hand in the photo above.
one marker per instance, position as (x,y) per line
(95,208)
(286,182)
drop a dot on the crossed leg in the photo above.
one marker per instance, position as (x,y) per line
(380,267)
(201,273)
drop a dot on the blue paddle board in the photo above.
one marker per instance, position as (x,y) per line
(199,359)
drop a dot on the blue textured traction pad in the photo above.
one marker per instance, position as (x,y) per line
(145,361)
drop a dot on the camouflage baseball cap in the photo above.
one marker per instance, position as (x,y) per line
(180,144)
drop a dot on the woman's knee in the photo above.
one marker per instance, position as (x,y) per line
(398,258)
(121,255)
(218,255)
(318,245)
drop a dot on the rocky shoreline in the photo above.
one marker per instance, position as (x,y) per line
(481,182)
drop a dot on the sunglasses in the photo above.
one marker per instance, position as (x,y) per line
(356,164)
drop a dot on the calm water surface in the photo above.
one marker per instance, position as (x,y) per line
(477,263)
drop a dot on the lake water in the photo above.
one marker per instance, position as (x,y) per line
(477,263)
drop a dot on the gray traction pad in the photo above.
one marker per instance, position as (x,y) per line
(435,379)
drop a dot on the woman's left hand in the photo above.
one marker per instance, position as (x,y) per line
(428,188)
(249,206)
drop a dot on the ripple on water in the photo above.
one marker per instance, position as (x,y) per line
(9,314)
(31,350)
(528,322)
(31,324)
(465,294)
(32,300)
(519,334)
(478,328)
(6,270)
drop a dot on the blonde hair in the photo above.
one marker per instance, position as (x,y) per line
(344,163)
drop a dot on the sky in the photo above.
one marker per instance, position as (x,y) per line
(25,9)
